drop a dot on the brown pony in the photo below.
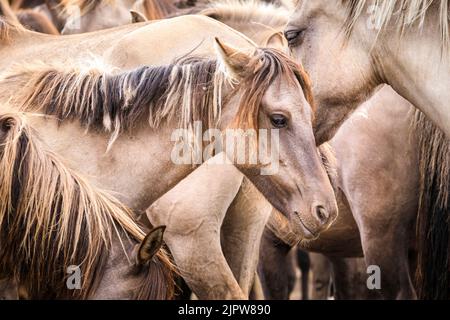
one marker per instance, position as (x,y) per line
(45,207)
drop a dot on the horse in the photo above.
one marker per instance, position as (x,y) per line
(358,199)
(46,207)
(375,42)
(165,89)
(369,43)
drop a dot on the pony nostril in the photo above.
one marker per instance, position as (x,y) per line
(322,214)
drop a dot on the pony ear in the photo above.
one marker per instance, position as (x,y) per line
(236,62)
(137,17)
(150,245)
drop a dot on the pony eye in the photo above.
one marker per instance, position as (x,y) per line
(278,120)
(294,36)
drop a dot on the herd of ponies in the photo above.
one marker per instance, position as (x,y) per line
(92,91)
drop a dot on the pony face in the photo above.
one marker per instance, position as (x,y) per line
(340,67)
(276,100)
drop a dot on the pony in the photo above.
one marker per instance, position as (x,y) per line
(360,201)
(151,96)
(374,42)
(369,43)
(48,208)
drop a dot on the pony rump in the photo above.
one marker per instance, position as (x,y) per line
(433,221)
(51,218)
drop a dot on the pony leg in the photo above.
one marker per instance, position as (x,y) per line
(276,267)
(304,263)
(242,230)
(193,212)
(321,276)
(349,279)
(257,292)
(389,251)
(386,230)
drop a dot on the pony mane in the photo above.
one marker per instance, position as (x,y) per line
(189,89)
(158,9)
(432,228)
(251,11)
(406,12)
(52,218)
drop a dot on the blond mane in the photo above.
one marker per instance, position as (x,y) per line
(405,12)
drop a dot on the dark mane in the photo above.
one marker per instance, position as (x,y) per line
(51,218)
(433,224)
(190,89)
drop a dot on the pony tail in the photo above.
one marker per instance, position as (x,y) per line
(433,224)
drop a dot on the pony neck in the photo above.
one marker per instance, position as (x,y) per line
(417,69)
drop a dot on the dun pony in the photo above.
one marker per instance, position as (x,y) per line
(51,218)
